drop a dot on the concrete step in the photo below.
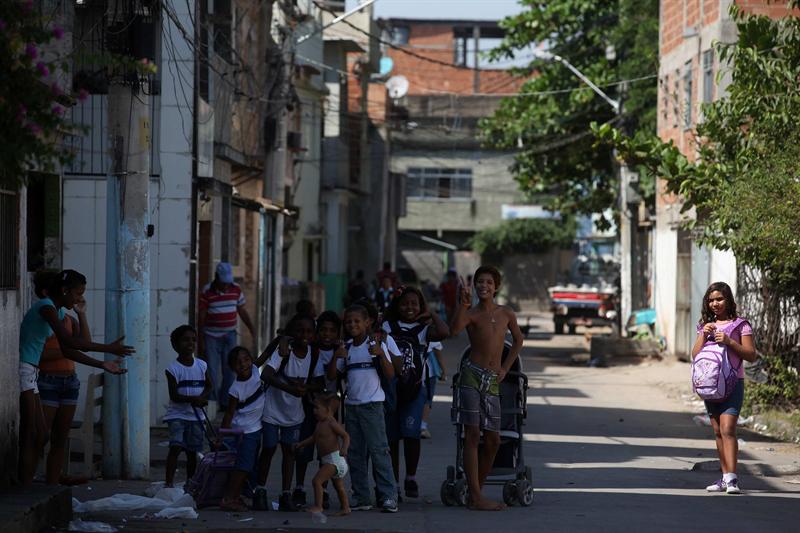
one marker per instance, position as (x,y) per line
(32,509)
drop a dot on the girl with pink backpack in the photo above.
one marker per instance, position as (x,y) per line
(724,340)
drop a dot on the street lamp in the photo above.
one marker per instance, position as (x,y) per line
(549,56)
(625,241)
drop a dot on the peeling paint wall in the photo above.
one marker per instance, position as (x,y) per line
(13,304)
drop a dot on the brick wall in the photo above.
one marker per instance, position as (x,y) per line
(436,42)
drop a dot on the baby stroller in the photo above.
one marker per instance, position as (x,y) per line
(509,467)
(208,484)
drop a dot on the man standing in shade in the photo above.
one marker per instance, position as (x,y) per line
(221,303)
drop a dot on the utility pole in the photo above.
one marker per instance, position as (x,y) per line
(275,167)
(126,407)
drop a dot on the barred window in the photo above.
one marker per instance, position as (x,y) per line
(687,94)
(439,183)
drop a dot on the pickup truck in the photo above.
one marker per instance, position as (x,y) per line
(589,298)
(574,306)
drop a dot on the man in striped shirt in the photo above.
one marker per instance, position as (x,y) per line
(221,305)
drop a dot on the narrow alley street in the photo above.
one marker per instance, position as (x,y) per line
(612,449)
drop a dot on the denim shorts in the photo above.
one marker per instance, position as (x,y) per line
(430,390)
(730,405)
(55,391)
(186,434)
(247,448)
(405,422)
(273,434)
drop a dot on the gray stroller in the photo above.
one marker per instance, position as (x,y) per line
(509,467)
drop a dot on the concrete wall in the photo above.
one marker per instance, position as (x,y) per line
(84,218)
(492,186)
(13,304)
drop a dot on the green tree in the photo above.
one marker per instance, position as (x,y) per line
(32,103)
(558,159)
(743,188)
(36,90)
(523,236)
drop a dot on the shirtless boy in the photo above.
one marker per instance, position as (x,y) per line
(332,456)
(478,392)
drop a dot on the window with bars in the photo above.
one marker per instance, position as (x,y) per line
(687,95)
(708,76)
(9,249)
(439,183)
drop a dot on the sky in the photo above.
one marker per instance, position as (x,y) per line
(433,9)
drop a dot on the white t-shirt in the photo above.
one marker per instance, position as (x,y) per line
(325,357)
(363,382)
(250,397)
(191,381)
(423,334)
(435,345)
(280,407)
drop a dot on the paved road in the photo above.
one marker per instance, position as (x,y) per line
(612,449)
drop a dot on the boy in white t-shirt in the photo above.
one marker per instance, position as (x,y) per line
(288,380)
(189,386)
(363,362)
(245,407)
(329,329)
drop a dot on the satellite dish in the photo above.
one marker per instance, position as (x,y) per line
(386,65)
(397,87)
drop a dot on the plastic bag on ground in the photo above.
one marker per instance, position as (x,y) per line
(91,527)
(176,512)
(164,498)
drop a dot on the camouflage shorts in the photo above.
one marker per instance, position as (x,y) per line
(476,399)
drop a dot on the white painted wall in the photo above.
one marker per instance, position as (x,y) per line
(84,216)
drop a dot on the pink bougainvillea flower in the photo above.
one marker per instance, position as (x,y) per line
(83,94)
(58,110)
(57,91)
(31,51)
(42,68)
(35,128)
(58,32)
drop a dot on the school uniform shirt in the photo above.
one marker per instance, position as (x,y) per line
(191,381)
(34,330)
(325,357)
(250,397)
(280,407)
(363,382)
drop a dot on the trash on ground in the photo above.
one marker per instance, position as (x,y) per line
(744,421)
(319,518)
(742,442)
(701,420)
(246,519)
(177,512)
(91,527)
(163,499)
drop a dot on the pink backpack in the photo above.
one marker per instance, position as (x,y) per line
(713,375)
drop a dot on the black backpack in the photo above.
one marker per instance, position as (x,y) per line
(409,380)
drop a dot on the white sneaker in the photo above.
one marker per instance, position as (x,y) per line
(718,486)
(733,487)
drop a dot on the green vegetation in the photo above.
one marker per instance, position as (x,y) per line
(522,236)
(557,155)
(743,187)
